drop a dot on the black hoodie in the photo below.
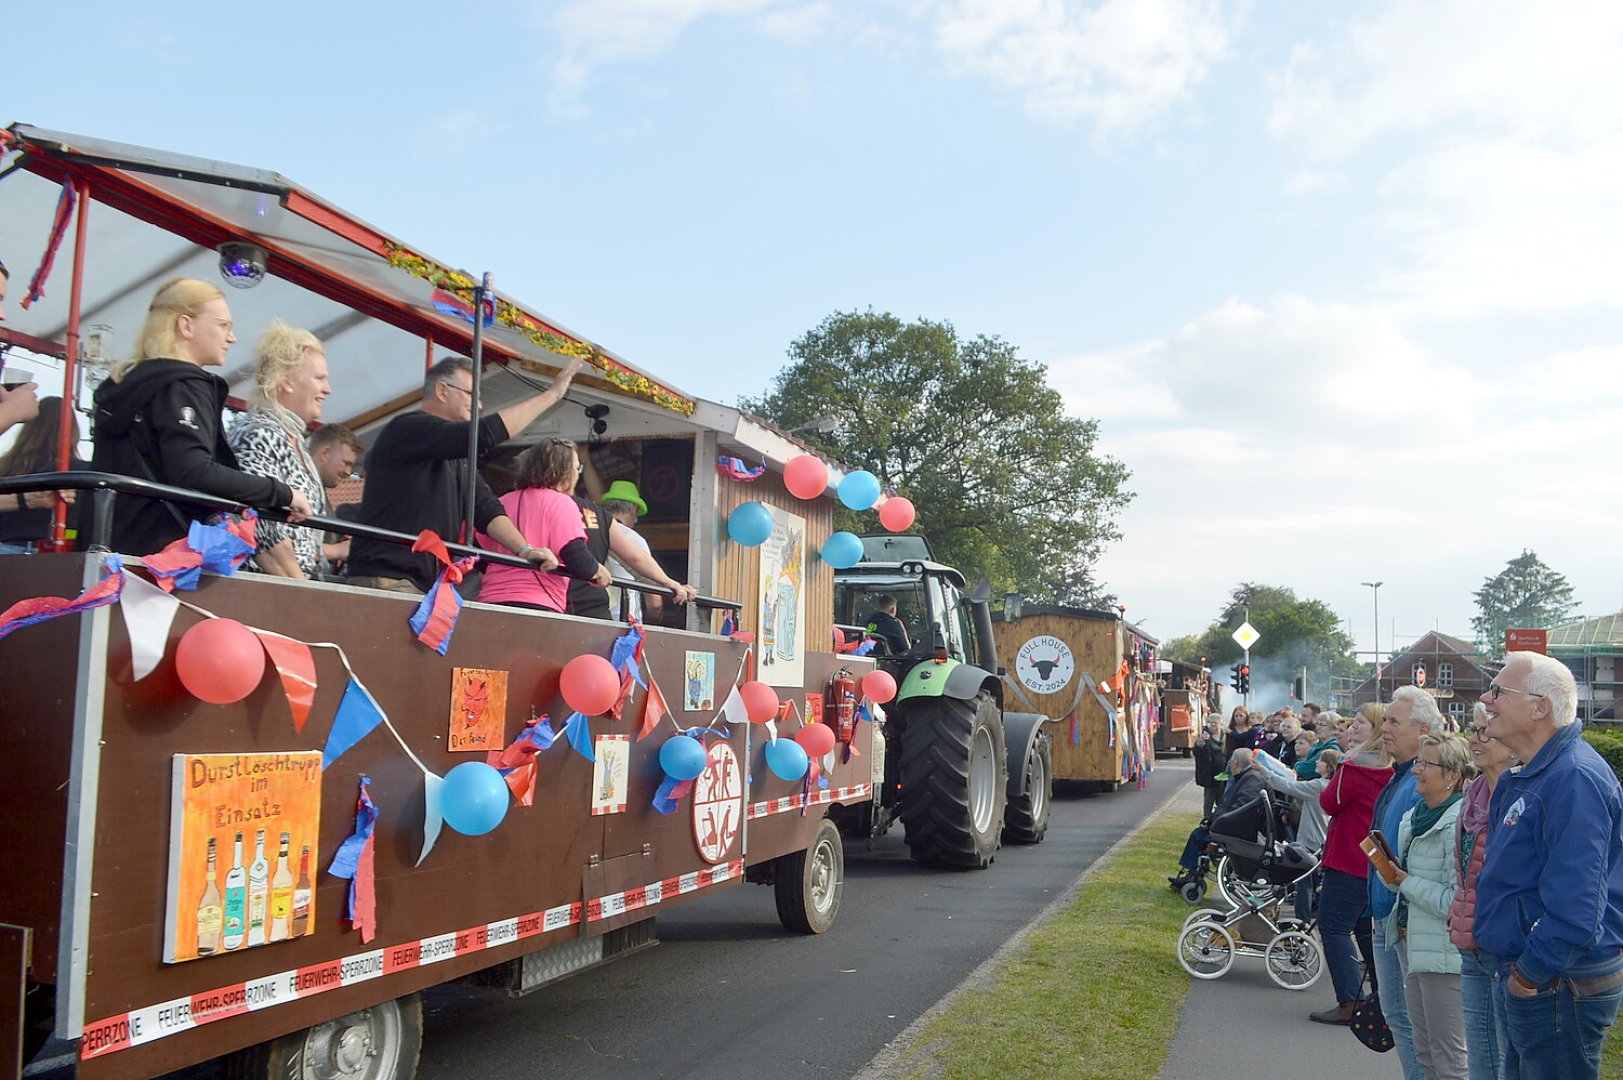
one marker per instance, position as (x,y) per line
(162,423)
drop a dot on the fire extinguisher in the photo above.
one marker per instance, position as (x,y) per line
(842,705)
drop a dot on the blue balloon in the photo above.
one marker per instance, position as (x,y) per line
(473,798)
(749,524)
(842,550)
(787,759)
(682,757)
(860,490)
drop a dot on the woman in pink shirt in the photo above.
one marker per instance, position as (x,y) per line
(542,509)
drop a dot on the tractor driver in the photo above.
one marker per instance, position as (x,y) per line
(884,624)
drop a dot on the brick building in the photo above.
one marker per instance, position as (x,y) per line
(1447,667)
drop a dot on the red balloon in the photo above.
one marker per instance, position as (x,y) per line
(879,685)
(805,476)
(220,661)
(815,739)
(589,684)
(897,514)
(760,701)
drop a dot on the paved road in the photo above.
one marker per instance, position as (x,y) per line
(729,994)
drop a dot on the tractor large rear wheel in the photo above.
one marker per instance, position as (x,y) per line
(954,778)
(1027,818)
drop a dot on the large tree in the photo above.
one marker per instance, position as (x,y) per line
(1526,593)
(1007,485)
(1295,633)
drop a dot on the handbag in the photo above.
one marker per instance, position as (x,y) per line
(1369,1024)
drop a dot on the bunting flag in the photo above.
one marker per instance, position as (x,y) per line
(65,203)
(297,670)
(727,624)
(219,549)
(148,613)
(38,609)
(354,862)
(654,709)
(625,656)
(433,818)
(434,621)
(521,782)
(735,469)
(536,736)
(670,794)
(578,730)
(449,303)
(357,716)
(733,707)
(1076,729)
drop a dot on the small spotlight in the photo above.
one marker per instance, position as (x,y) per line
(596,413)
(242,265)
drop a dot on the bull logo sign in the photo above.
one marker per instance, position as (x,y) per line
(1044,664)
(718,803)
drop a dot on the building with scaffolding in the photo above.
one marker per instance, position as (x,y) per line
(1592,648)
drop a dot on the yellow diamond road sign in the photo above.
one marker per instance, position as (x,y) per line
(1246,636)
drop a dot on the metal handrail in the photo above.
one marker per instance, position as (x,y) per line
(107,485)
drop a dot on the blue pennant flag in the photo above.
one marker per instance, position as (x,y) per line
(624,654)
(357,716)
(578,730)
(670,794)
(541,734)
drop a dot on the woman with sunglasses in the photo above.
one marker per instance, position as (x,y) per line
(1471,837)
(543,511)
(1426,878)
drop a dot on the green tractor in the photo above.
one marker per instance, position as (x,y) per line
(962,775)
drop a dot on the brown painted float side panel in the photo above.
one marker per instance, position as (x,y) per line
(532,862)
(38,667)
(1097,647)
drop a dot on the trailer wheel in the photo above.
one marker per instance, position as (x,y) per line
(1026,820)
(380,1043)
(954,781)
(807,883)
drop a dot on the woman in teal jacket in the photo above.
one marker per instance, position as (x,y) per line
(1425,882)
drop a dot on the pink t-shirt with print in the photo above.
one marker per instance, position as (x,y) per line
(548,519)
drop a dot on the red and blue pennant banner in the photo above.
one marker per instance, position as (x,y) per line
(626,655)
(38,609)
(578,731)
(355,861)
(358,715)
(59,228)
(449,303)
(735,469)
(670,794)
(517,762)
(435,619)
(219,549)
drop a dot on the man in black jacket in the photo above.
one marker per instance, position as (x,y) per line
(417,475)
(1244,784)
(1210,764)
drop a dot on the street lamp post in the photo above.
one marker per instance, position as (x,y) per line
(1375,590)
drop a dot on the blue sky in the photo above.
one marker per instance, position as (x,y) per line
(1339,280)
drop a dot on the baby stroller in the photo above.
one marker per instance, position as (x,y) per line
(1265,872)
(1254,821)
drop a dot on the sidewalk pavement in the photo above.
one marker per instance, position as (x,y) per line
(1243,1024)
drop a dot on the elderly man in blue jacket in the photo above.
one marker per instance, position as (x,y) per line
(1549,902)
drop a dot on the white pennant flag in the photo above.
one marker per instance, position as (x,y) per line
(148,613)
(733,708)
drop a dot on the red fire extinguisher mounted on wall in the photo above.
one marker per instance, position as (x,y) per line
(841,705)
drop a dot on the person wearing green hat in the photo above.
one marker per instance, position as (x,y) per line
(624,491)
(627,552)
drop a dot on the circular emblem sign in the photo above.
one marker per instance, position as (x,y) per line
(718,803)
(1044,664)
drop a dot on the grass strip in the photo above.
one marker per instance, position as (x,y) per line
(1089,994)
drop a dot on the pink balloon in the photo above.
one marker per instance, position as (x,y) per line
(815,739)
(219,661)
(897,514)
(760,701)
(879,685)
(805,476)
(589,684)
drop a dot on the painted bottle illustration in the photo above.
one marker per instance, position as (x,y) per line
(236,900)
(301,895)
(281,896)
(210,912)
(258,892)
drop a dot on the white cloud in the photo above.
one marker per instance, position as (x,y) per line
(1119,63)
(592,33)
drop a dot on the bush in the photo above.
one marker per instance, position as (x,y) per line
(1609,745)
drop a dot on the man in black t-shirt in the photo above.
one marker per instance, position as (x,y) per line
(417,475)
(883,623)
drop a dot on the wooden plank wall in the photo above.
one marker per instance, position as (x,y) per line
(738,568)
(1097,647)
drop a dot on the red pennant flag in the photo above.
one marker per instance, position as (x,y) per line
(297,669)
(654,709)
(521,782)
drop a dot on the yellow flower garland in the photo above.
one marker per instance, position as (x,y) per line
(510,316)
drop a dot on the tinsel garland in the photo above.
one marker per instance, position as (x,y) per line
(510,316)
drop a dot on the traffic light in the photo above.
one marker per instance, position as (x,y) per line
(1299,689)
(1234,678)
(1245,678)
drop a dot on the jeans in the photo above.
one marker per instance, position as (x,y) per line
(1482,1019)
(1304,896)
(1198,839)
(1209,797)
(1392,964)
(1342,900)
(1556,1033)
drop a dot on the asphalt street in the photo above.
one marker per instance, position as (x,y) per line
(729,994)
